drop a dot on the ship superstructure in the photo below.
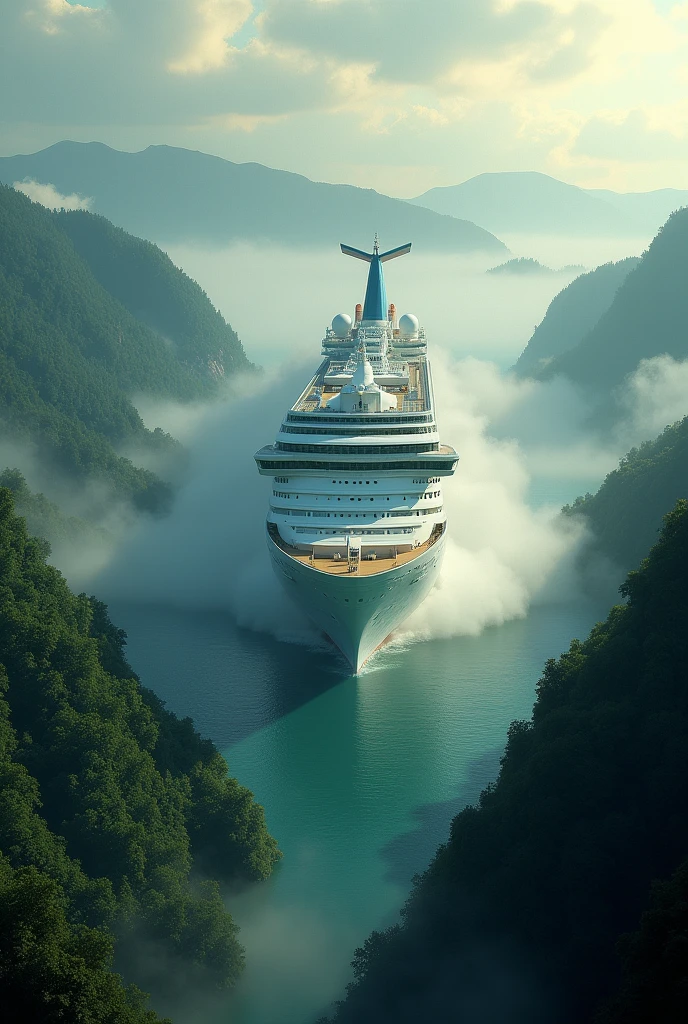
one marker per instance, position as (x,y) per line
(356,524)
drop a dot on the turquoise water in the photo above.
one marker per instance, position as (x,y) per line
(359,777)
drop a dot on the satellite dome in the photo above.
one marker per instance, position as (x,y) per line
(341,325)
(408,325)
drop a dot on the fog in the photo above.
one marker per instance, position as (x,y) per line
(280,301)
(210,552)
(503,551)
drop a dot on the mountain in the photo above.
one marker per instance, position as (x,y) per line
(174,195)
(527,202)
(647,210)
(519,916)
(118,820)
(45,519)
(647,317)
(625,514)
(572,313)
(73,353)
(157,293)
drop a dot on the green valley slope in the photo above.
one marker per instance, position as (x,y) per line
(117,820)
(517,918)
(625,514)
(89,317)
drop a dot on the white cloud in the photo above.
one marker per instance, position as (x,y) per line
(456,86)
(654,396)
(47,195)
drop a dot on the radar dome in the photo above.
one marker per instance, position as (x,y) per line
(408,325)
(341,325)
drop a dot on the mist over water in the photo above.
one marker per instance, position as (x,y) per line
(512,435)
(210,552)
(280,300)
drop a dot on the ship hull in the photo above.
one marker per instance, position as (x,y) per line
(358,613)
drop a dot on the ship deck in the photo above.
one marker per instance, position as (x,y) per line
(404,395)
(364,567)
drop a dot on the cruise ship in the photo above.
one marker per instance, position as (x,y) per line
(356,525)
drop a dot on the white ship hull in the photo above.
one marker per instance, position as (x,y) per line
(356,519)
(358,613)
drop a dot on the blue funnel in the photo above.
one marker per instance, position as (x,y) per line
(375,305)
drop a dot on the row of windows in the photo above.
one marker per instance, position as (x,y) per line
(426,480)
(359,449)
(281,479)
(363,515)
(345,429)
(404,529)
(312,417)
(330,497)
(446,465)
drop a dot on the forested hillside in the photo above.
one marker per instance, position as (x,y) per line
(117,820)
(45,519)
(625,515)
(72,355)
(518,917)
(647,317)
(571,314)
(145,280)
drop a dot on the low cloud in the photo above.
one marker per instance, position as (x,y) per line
(47,195)
(652,398)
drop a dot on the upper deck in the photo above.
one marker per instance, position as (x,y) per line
(413,399)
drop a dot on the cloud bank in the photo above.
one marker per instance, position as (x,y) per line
(47,195)
(577,88)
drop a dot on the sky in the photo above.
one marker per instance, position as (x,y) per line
(396,95)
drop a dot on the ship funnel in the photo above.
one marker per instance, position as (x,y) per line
(359,313)
(392,314)
(375,308)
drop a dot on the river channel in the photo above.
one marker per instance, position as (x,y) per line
(359,777)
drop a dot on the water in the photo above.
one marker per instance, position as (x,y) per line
(359,777)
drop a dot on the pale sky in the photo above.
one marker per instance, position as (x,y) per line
(397,95)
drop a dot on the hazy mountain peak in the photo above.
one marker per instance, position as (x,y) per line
(169,194)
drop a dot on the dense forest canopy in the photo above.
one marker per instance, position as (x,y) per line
(73,353)
(117,820)
(518,917)
(625,515)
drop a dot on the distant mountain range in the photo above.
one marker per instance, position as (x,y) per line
(173,195)
(533,203)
